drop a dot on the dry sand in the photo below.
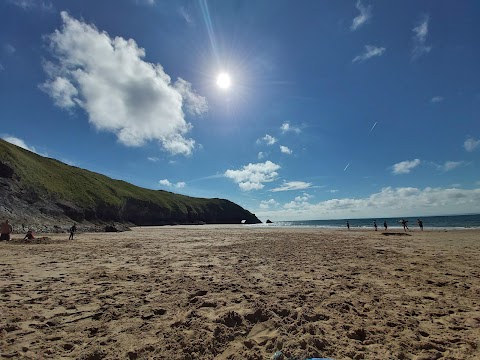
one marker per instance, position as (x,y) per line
(233,292)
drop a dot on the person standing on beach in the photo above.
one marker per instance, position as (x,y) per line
(420,223)
(348,225)
(375,224)
(72,231)
(385,225)
(405,224)
(5,230)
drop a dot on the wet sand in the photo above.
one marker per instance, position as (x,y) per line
(238,292)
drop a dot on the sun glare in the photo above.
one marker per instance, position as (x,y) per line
(223,81)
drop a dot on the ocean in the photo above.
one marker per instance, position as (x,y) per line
(429,222)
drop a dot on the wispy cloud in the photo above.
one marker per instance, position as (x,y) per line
(286,127)
(420,33)
(362,18)
(21,143)
(185,15)
(261,155)
(9,49)
(268,139)
(45,6)
(450,165)
(167,183)
(2,67)
(285,150)
(437,99)
(373,127)
(405,167)
(153,159)
(471,144)
(253,176)
(121,93)
(370,51)
(293,185)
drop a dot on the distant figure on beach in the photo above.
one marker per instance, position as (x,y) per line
(29,235)
(375,224)
(72,231)
(348,225)
(5,230)
(405,224)
(420,223)
(385,225)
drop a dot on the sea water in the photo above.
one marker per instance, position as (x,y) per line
(429,222)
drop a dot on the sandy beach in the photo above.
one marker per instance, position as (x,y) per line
(233,292)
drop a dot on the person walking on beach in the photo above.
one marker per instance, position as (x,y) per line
(405,224)
(72,231)
(375,224)
(5,231)
(385,225)
(420,223)
(348,225)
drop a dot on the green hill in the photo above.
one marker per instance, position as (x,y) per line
(35,189)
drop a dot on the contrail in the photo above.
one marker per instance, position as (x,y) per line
(208,24)
(373,127)
(346,167)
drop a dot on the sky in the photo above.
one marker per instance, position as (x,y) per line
(293,110)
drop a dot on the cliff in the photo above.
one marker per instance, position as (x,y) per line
(36,190)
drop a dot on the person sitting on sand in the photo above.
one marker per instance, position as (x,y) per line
(73,229)
(420,223)
(29,235)
(405,224)
(385,225)
(5,230)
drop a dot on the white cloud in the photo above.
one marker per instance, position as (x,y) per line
(266,204)
(20,143)
(389,202)
(363,17)
(303,198)
(370,51)
(285,150)
(2,67)
(253,176)
(471,144)
(405,167)
(121,93)
(185,15)
(268,139)
(166,182)
(286,127)
(153,159)
(333,191)
(293,185)
(450,165)
(437,99)
(261,155)
(9,49)
(32,4)
(420,33)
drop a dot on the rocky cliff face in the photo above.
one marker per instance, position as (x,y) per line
(29,202)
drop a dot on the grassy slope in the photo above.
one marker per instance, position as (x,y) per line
(55,180)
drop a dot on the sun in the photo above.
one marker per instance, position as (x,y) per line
(224,81)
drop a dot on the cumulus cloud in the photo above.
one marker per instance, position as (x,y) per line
(420,33)
(121,93)
(405,167)
(369,52)
(285,150)
(268,139)
(166,182)
(286,127)
(21,143)
(266,204)
(471,144)
(389,202)
(261,155)
(437,99)
(363,17)
(293,185)
(253,176)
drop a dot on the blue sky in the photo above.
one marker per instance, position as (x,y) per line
(335,109)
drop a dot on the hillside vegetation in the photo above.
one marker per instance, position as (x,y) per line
(38,189)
